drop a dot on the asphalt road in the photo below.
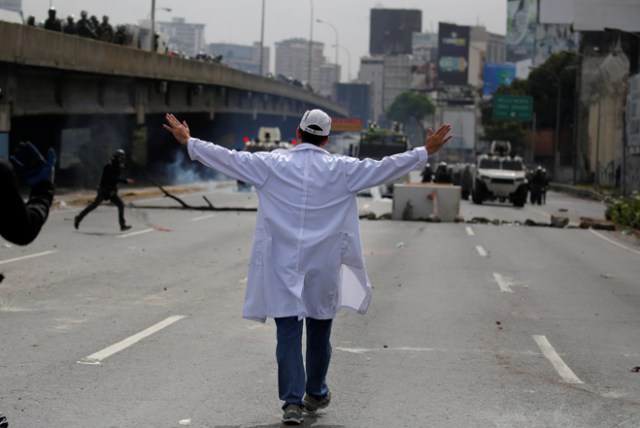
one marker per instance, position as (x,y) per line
(471,325)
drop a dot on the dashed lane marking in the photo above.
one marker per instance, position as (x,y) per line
(561,367)
(481,251)
(97,357)
(504,286)
(624,247)
(140,232)
(469,231)
(202,217)
(17,259)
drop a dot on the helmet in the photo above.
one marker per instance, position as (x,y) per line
(119,154)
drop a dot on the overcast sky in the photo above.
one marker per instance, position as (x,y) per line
(239,21)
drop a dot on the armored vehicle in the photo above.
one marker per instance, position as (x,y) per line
(499,176)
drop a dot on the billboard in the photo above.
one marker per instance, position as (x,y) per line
(522,16)
(496,75)
(554,38)
(453,54)
(391,30)
(596,15)
(592,15)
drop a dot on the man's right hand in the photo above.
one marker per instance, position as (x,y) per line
(29,165)
(436,140)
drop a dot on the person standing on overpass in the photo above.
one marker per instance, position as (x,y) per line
(306,262)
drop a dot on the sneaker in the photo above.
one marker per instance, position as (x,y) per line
(76,222)
(3,421)
(311,403)
(292,415)
(125,227)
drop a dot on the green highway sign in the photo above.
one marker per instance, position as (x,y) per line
(510,107)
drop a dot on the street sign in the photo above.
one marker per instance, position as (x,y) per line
(510,107)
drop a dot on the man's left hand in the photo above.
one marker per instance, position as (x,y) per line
(180,130)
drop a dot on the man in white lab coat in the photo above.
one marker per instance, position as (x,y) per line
(306,261)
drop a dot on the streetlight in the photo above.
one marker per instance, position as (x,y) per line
(262,43)
(337,44)
(348,63)
(310,43)
(557,79)
(152,31)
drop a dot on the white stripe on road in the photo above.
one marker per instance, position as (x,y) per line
(546,214)
(17,259)
(481,251)
(204,217)
(504,286)
(469,231)
(563,370)
(599,235)
(140,232)
(97,357)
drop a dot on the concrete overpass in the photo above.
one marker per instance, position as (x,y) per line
(86,98)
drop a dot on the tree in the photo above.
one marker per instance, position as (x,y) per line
(542,86)
(507,130)
(411,105)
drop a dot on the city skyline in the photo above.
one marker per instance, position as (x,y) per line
(240,22)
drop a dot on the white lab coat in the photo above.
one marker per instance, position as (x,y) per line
(307,257)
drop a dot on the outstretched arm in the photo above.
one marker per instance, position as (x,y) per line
(435,140)
(180,130)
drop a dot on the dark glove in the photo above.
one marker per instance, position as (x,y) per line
(29,165)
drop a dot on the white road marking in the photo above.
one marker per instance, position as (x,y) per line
(426,349)
(203,217)
(97,357)
(140,232)
(402,348)
(504,286)
(469,231)
(17,259)
(563,370)
(481,251)
(599,235)
(540,212)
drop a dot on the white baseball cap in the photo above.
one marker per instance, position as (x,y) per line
(316,122)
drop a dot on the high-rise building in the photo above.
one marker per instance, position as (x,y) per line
(424,62)
(372,73)
(389,76)
(13,5)
(292,60)
(242,57)
(357,98)
(182,36)
(391,30)
(397,78)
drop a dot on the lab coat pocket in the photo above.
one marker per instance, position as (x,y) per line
(350,251)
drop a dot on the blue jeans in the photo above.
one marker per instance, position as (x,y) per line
(292,383)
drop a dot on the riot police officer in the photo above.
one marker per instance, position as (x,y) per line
(108,190)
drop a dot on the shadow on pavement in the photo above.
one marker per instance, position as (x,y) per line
(309,421)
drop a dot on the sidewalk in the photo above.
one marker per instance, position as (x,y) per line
(80,197)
